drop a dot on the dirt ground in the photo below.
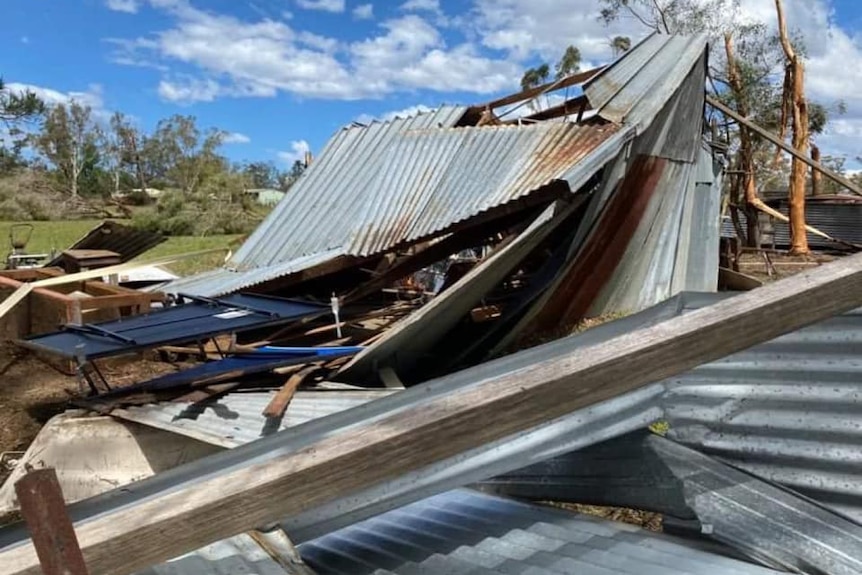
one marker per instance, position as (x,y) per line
(31,392)
(779,265)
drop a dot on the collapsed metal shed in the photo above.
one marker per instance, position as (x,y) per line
(375,188)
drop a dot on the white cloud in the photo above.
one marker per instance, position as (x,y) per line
(236,138)
(483,51)
(430,5)
(92,97)
(364,12)
(408,112)
(127,6)
(298,149)
(189,90)
(336,6)
(262,58)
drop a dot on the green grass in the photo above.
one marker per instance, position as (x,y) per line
(186,244)
(59,235)
(49,235)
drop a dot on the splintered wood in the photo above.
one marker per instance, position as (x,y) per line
(431,429)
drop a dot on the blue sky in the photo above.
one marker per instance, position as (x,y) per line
(280,74)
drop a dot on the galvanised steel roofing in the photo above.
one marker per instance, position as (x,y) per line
(785,410)
(375,187)
(635,88)
(463,531)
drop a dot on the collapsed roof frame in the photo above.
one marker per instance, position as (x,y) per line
(244,490)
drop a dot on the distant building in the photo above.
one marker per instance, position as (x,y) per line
(266,196)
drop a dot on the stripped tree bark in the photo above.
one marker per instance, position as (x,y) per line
(794,94)
(746,146)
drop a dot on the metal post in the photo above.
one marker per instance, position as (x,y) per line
(44,512)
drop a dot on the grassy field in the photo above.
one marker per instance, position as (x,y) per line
(60,235)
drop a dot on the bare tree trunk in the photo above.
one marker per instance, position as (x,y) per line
(796,71)
(73,180)
(816,176)
(746,146)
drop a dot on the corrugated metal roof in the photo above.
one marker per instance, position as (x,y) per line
(636,87)
(237,418)
(390,184)
(373,188)
(234,556)
(788,411)
(432,179)
(112,236)
(696,493)
(463,532)
(675,247)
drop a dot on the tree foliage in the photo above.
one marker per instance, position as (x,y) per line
(68,139)
(570,63)
(620,45)
(19,106)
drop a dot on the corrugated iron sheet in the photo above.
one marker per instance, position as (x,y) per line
(636,88)
(842,221)
(676,245)
(432,179)
(376,187)
(463,532)
(112,236)
(373,189)
(236,418)
(695,493)
(787,411)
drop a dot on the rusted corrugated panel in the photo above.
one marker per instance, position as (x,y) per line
(634,90)
(432,179)
(385,185)
(318,213)
(111,236)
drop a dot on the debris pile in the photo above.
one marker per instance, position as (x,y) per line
(394,340)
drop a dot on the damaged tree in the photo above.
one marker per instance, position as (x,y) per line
(794,102)
(745,155)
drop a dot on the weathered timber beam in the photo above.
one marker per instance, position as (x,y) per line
(572,80)
(572,106)
(835,177)
(369,451)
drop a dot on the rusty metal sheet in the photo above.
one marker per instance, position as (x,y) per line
(128,242)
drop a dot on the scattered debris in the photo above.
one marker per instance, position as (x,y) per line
(463,299)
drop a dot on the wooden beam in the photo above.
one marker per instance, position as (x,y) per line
(572,80)
(278,404)
(572,106)
(44,511)
(835,177)
(433,428)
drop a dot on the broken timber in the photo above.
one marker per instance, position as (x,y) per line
(326,466)
(835,177)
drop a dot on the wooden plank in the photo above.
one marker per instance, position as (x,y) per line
(432,429)
(835,177)
(44,511)
(278,405)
